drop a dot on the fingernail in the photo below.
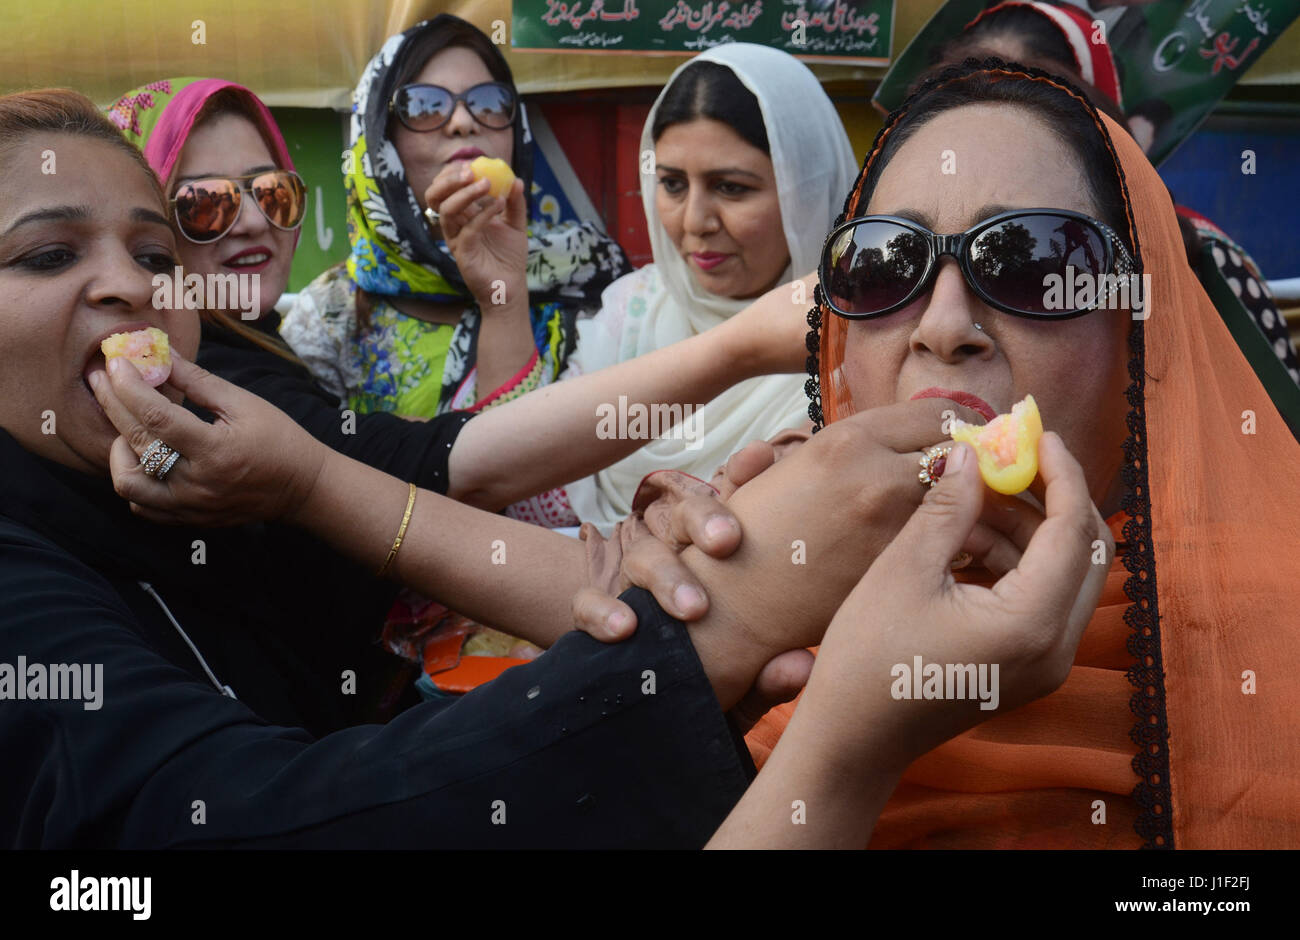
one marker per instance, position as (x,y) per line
(687,598)
(94,379)
(957,459)
(718,527)
(617,622)
(112,365)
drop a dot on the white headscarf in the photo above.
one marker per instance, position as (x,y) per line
(815,169)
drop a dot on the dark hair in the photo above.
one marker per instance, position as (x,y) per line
(1072,124)
(451,32)
(1026,24)
(1045,47)
(711,90)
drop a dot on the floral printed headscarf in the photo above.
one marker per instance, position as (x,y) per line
(393,251)
(158,118)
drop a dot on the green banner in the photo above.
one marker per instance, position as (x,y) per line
(1176,58)
(859,31)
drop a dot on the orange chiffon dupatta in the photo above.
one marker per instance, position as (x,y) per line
(1178,724)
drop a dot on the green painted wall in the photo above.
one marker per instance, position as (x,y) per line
(316,139)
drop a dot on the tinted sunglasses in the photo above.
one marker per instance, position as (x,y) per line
(876,264)
(207,209)
(425,108)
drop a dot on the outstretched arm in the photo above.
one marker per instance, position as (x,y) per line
(549,436)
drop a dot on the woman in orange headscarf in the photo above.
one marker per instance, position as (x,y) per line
(1176,727)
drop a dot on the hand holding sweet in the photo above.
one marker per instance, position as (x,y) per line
(487,235)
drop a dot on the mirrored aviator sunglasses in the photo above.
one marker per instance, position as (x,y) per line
(207,209)
(424,108)
(874,265)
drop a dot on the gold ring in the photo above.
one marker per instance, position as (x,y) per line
(932,464)
(158,459)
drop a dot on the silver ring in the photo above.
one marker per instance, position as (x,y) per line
(152,450)
(158,459)
(432,216)
(167,466)
(979,327)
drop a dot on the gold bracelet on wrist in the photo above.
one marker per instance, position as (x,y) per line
(401,534)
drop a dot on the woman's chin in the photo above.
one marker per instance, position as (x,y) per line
(720,285)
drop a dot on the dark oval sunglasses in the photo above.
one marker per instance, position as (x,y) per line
(876,264)
(206,209)
(424,108)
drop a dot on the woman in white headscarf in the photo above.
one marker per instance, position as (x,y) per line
(750,164)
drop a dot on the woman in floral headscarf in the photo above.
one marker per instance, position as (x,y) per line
(407,326)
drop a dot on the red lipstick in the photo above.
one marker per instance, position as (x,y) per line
(707,260)
(974,402)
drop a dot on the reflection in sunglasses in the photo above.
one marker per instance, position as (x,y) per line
(205,210)
(424,108)
(875,265)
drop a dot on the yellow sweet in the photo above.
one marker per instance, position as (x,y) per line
(1007,446)
(147,350)
(497,172)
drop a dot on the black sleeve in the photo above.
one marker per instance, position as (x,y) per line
(591,745)
(414,451)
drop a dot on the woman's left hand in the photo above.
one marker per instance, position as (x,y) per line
(487,235)
(252,463)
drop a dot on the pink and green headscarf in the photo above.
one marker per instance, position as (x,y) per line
(158,118)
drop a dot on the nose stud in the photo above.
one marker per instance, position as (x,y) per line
(979,327)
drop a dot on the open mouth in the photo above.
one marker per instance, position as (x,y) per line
(95,362)
(248,260)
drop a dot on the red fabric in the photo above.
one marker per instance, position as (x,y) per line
(1095,61)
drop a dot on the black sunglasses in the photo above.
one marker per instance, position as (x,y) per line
(425,108)
(876,264)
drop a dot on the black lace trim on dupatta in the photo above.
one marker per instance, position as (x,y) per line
(1154,823)
(813,387)
(1150,732)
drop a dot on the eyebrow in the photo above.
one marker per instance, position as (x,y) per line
(56,214)
(82,214)
(260,168)
(149,215)
(924,218)
(721,171)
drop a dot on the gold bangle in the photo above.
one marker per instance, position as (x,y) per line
(401,534)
